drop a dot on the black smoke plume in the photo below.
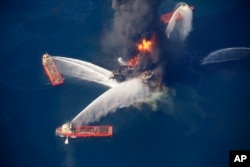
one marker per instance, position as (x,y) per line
(133,20)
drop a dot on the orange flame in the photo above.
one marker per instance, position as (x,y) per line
(134,61)
(145,46)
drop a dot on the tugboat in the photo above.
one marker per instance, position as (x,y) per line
(68,130)
(51,70)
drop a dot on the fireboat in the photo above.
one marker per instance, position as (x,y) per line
(69,131)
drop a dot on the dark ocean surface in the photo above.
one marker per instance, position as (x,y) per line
(210,112)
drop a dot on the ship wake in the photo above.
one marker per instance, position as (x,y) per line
(123,95)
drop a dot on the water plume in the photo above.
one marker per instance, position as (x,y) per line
(84,70)
(227,54)
(123,95)
(180,22)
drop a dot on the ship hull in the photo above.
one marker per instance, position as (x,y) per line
(86,131)
(51,70)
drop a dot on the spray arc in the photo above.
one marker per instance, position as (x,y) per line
(140,71)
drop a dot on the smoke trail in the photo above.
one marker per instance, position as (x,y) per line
(227,54)
(84,70)
(132,20)
(123,95)
(180,22)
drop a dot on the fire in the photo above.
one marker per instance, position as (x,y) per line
(134,61)
(145,46)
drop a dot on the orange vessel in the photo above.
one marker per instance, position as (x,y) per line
(67,130)
(166,17)
(51,70)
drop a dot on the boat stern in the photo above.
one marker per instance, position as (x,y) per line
(110,130)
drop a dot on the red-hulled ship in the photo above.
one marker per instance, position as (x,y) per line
(166,17)
(67,130)
(51,70)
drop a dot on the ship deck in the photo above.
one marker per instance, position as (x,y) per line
(52,71)
(87,131)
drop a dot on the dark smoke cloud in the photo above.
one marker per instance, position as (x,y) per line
(133,19)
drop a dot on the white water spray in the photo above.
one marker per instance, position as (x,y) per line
(180,22)
(84,70)
(227,54)
(66,140)
(123,95)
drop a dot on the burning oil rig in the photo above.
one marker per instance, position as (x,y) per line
(141,65)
